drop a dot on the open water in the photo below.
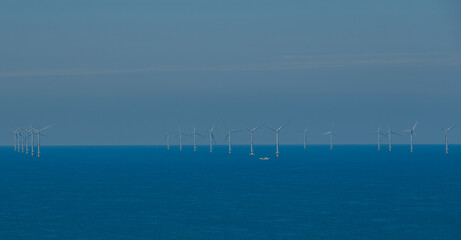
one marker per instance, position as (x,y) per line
(352,192)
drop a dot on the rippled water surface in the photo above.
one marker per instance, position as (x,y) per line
(352,192)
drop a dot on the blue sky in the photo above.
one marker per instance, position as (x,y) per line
(121,72)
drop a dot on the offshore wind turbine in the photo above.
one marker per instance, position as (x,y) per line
(15,133)
(305,137)
(195,133)
(18,139)
(389,136)
(39,133)
(330,132)
(27,133)
(180,133)
(446,130)
(21,132)
(412,133)
(252,131)
(210,132)
(32,131)
(379,133)
(277,137)
(228,136)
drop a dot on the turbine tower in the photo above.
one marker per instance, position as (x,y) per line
(305,137)
(228,136)
(277,137)
(252,131)
(330,132)
(15,133)
(39,133)
(412,133)
(27,140)
(18,142)
(22,140)
(32,131)
(446,130)
(379,133)
(210,133)
(389,136)
(194,132)
(180,133)
(167,138)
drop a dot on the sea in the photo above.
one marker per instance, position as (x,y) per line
(147,192)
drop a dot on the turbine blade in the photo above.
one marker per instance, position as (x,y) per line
(414,126)
(212,137)
(282,126)
(43,129)
(451,128)
(254,129)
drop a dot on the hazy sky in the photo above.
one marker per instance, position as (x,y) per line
(122,72)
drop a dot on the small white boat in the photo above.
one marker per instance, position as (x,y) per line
(263,158)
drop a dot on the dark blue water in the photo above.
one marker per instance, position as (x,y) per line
(352,192)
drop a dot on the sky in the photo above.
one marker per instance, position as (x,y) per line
(123,72)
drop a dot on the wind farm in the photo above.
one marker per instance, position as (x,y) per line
(230,120)
(23,138)
(330,133)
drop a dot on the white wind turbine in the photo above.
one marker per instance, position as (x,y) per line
(446,130)
(252,131)
(180,133)
(39,133)
(32,132)
(330,132)
(16,137)
(389,136)
(21,132)
(195,133)
(412,133)
(167,138)
(277,137)
(228,136)
(27,136)
(305,137)
(210,132)
(379,133)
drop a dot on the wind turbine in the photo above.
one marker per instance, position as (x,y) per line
(446,130)
(389,136)
(15,133)
(21,132)
(18,142)
(210,132)
(228,136)
(252,131)
(412,133)
(27,133)
(32,131)
(277,137)
(180,133)
(330,132)
(305,137)
(379,133)
(195,133)
(39,133)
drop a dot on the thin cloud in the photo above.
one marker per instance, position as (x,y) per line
(279,63)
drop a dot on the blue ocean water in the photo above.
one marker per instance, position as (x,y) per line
(352,192)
